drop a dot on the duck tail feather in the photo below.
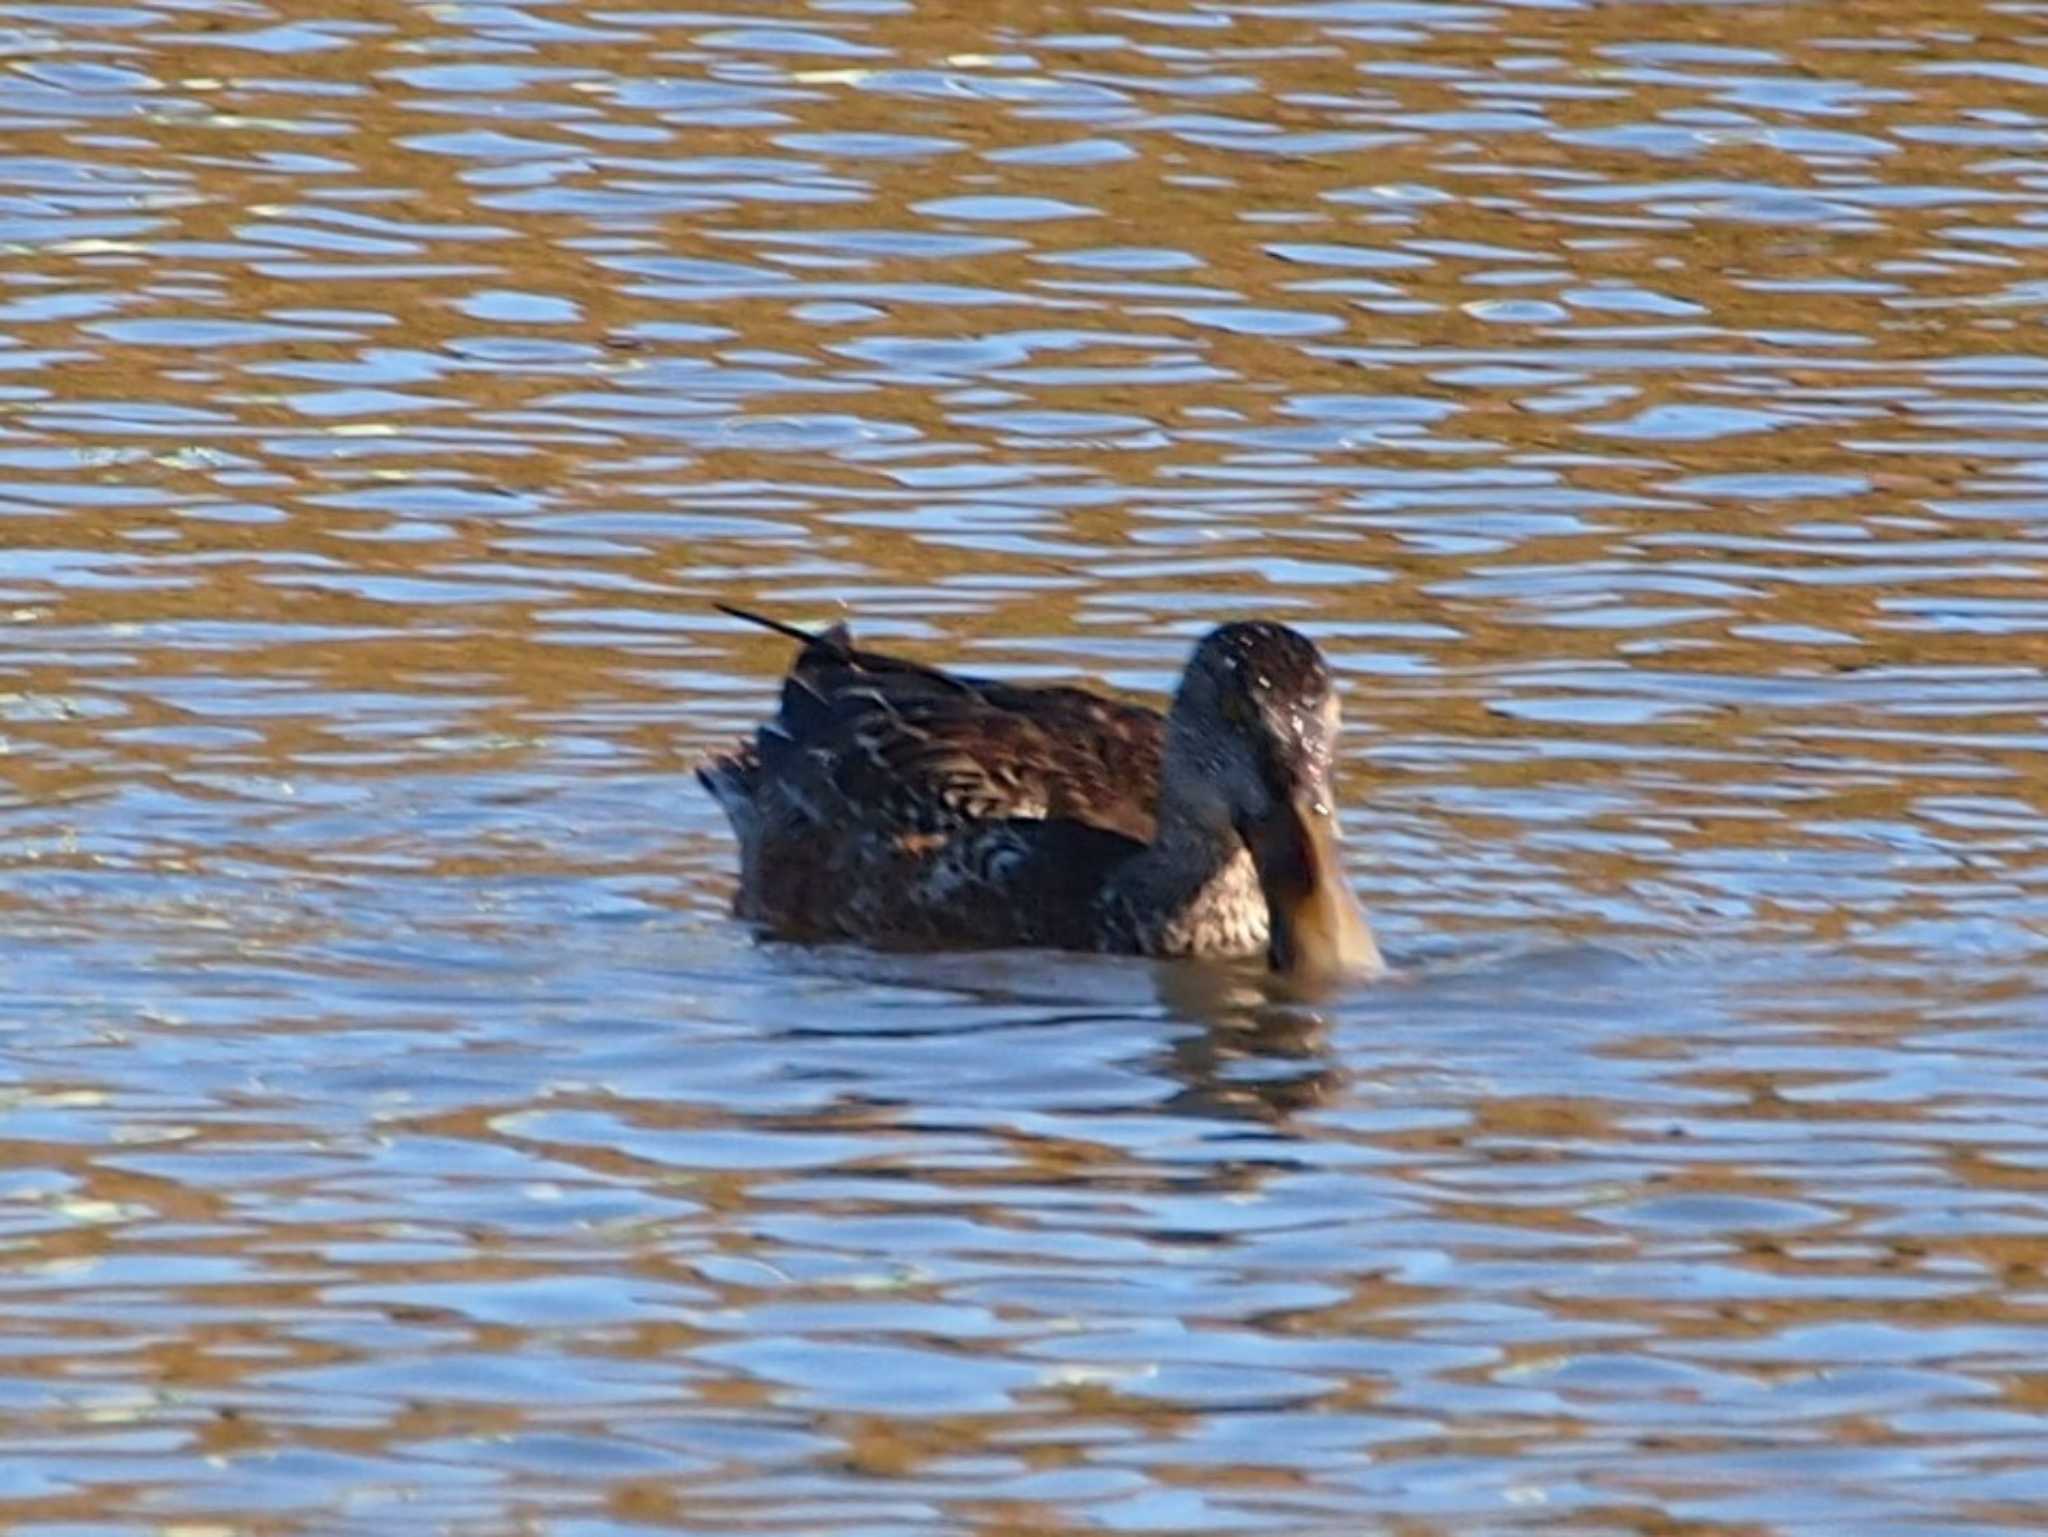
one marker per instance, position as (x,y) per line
(838,638)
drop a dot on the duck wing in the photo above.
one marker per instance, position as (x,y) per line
(868,739)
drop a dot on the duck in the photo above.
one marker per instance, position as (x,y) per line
(901,806)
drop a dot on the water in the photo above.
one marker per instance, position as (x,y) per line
(1643,404)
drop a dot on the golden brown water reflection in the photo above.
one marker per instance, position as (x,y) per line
(1644,404)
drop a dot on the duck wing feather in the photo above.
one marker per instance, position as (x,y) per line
(881,741)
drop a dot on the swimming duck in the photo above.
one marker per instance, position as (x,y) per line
(906,807)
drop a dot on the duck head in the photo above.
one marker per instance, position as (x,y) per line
(1251,739)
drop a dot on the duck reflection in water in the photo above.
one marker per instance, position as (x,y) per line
(1260,1053)
(1223,1040)
(905,807)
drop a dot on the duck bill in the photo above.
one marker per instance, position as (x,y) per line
(1318,928)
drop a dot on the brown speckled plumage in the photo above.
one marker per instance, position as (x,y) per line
(906,807)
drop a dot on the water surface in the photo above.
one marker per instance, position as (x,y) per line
(1643,404)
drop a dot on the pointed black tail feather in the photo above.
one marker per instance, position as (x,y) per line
(831,662)
(837,638)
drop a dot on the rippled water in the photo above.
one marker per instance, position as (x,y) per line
(1643,403)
